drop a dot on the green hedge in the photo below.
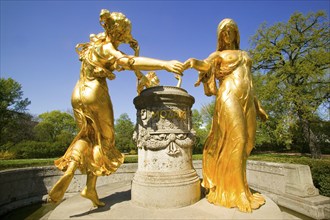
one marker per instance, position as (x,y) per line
(35,149)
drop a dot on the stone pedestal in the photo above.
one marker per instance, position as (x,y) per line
(165,177)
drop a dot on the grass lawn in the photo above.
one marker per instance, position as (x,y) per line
(279,158)
(20,163)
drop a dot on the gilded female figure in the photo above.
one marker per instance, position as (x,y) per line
(93,150)
(232,135)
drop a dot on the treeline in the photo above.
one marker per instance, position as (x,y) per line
(47,135)
(268,136)
(23,135)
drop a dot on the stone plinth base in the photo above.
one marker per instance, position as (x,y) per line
(165,177)
(166,189)
(119,206)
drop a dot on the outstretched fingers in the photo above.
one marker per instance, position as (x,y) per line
(176,67)
(189,63)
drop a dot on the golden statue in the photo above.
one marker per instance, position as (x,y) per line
(93,150)
(232,135)
(146,81)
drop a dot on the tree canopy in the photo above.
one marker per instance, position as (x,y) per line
(291,76)
(11,96)
(55,126)
(13,117)
(124,129)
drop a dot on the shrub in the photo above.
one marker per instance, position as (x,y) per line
(6,155)
(131,159)
(34,149)
(133,152)
(321,175)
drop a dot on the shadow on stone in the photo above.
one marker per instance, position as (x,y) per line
(109,202)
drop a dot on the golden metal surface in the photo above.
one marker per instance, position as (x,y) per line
(93,150)
(232,135)
(146,81)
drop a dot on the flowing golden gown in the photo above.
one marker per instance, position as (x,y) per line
(94,115)
(232,134)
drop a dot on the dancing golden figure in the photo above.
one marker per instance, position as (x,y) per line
(232,135)
(93,150)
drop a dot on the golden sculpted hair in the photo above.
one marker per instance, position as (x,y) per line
(227,23)
(116,24)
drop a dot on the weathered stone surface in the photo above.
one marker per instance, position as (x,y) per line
(283,178)
(289,185)
(165,190)
(316,207)
(119,206)
(164,137)
(25,186)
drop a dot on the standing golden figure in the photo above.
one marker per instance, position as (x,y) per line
(232,135)
(93,150)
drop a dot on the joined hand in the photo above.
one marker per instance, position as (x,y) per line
(174,66)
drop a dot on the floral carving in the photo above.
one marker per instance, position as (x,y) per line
(159,129)
(173,142)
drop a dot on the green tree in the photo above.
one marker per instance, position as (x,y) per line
(202,121)
(207,112)
(56,126)
(15,123)
(291,69)
(201,131)
(124,129)
(197,120)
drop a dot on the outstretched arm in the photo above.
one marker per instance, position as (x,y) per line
(200,65)
(203,66)
(143,63)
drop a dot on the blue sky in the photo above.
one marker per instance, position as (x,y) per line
(38,41)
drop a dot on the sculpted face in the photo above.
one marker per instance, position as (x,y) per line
(228,35)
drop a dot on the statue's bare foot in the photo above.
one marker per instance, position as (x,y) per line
(51,199)
(257,200)
(54,196)
(243,203)
(92,195)
(57,192)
